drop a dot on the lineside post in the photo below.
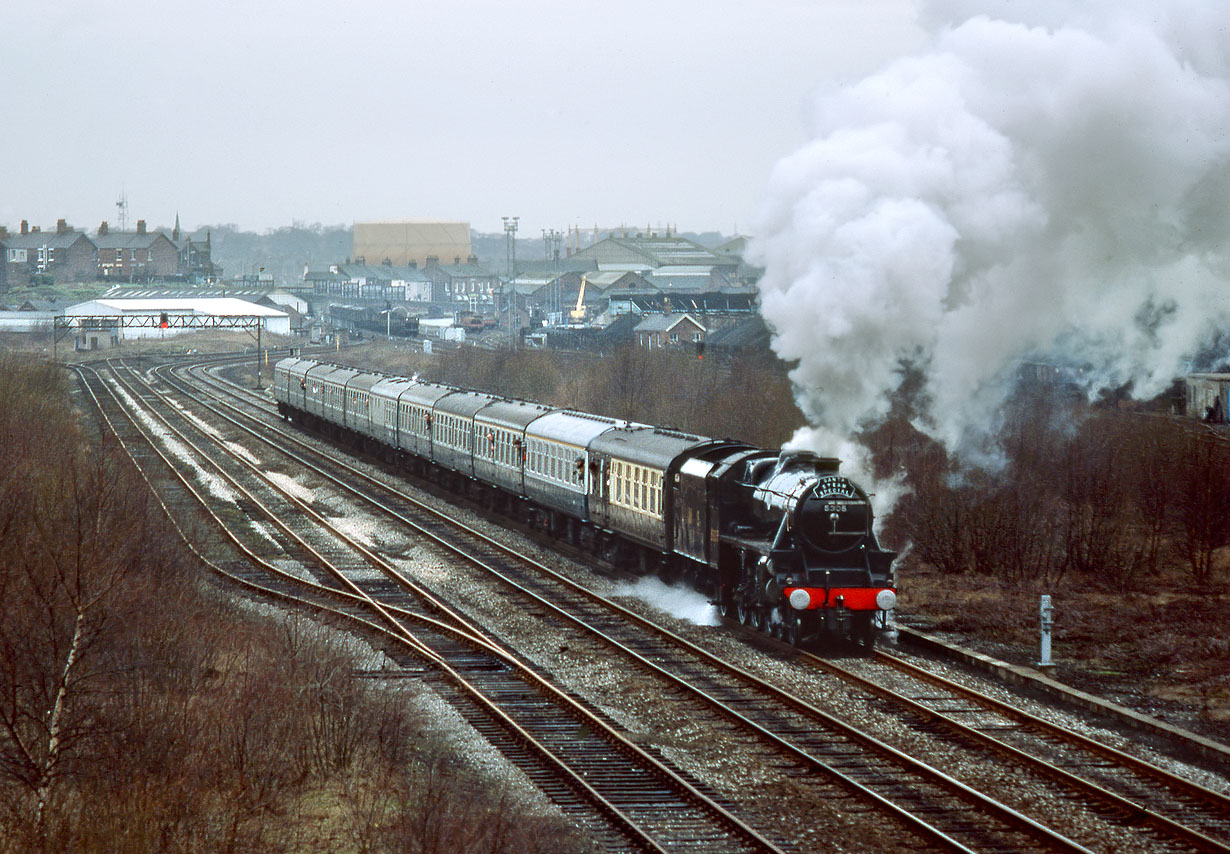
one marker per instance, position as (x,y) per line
(258,353)
(1047,622)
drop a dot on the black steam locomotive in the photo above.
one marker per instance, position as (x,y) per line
(780,541)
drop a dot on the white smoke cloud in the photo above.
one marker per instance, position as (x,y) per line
(1043,183)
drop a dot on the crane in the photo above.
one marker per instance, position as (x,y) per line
(578,313)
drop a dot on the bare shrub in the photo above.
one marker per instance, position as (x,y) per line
(137,715)
(1204,512)
(434,806)
(1098,516)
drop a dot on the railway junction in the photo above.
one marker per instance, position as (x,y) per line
(646,731)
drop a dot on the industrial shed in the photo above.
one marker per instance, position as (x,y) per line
(183,315)
(1208,396)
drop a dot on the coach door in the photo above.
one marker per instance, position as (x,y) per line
(597,495)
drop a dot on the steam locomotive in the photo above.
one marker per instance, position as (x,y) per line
(780,541)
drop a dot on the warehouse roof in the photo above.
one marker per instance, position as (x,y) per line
(217,306)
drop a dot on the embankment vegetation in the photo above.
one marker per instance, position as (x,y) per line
(142,710)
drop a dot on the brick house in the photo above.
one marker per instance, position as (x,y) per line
(67,255)
(668,330)
(466,283)
(196,262)
(136,256)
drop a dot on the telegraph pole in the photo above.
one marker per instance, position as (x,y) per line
(510,235)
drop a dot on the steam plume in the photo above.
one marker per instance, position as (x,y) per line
(1045,183)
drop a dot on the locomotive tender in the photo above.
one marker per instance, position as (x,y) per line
(779,540)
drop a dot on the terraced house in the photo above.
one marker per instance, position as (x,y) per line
(139,256)
(65,254)
(34,256)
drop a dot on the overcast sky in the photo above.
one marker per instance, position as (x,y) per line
(563,113)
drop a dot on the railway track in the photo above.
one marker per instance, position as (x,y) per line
(1142,793)
(1203,828)
(816,745)
(902,788)
(626,798)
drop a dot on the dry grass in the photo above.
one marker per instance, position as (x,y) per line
(1161,642)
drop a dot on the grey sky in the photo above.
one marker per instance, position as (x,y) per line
(564,113)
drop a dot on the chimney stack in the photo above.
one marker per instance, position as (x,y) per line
(140,226)
(61,226)
(25,226)
(103,228)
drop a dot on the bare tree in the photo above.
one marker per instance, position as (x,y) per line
(83,525)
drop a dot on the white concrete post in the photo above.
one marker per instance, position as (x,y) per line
(1047,622)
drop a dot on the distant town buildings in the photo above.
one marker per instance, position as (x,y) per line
(675,291)
(34,256)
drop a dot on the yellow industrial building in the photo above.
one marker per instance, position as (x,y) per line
(405,242)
